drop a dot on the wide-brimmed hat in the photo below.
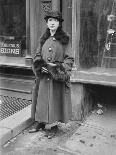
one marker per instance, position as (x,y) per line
(53,14)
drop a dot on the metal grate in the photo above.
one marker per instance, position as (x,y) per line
(11,105)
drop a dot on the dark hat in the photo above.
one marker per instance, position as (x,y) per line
(53,14)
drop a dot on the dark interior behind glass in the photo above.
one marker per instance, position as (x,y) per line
(13,22)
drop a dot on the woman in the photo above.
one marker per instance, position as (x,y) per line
(52,65)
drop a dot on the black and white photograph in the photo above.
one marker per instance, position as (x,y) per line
(57,77)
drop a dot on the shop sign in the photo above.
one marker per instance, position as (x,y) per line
(10,48)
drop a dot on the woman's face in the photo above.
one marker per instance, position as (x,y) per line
(52,24)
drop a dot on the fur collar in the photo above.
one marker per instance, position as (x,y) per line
(60,35)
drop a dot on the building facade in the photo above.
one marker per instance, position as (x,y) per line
(91,25)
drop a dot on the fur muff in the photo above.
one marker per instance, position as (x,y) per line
(60,36)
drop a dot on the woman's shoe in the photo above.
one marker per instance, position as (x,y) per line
(54,129)
(49,126)
(52,132)
(37,127)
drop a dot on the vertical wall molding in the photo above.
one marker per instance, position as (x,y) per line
(28,58)
(76,30)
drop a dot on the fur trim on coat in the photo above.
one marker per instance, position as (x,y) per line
(60,36)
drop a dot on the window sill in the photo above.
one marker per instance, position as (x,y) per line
(106,79)
(17,62)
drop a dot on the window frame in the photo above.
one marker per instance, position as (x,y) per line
(79,75)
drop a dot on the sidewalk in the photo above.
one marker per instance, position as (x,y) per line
(13,125)
(95,136)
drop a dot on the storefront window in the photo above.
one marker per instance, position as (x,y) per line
(97,45)
(13,27)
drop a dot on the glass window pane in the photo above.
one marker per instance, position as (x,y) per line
(97,34)
(13,24)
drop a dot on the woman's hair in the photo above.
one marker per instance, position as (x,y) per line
(60,36)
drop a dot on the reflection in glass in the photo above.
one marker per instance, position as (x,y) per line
(97,34)
(13,21)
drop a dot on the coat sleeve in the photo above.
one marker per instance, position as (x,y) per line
(37,60)
(68,59)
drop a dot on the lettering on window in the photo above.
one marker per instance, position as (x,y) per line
(10,48)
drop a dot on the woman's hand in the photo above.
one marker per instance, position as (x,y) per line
(44,70)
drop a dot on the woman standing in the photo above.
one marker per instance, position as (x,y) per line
(52,66)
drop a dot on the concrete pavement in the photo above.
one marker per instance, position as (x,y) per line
(13,125)
(95,136)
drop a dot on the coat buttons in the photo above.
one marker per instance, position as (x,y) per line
(49,59)
(50,49)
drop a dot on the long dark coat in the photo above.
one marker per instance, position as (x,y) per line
(51,98)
